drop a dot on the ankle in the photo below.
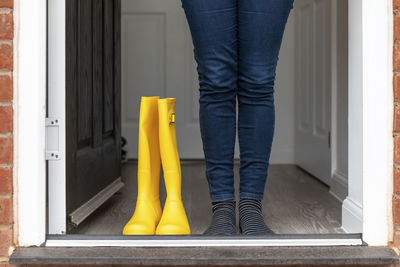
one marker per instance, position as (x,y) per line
(223,218)
(251,221)
(250,204)
(225,204)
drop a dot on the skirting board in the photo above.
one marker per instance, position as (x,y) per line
(351,216)
(339,185)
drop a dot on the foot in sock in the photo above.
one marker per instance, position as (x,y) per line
(223,218)
(251,221)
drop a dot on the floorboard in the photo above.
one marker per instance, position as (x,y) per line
(295,202)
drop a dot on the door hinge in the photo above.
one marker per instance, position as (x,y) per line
(52,139)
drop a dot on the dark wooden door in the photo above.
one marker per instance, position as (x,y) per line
(93,108)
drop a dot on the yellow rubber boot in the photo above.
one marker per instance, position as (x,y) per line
(148,207)
(173,220)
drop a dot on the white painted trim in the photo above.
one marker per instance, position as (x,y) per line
(370,120)
(377,103)
(352,216)
(339,186)
(30,106)
(56,109)
(204,242)
(355,123)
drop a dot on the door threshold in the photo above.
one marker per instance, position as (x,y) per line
(204,241)
(207,256)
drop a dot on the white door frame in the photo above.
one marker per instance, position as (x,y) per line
(29,170)
(57,217)
(370,118)
(367,208)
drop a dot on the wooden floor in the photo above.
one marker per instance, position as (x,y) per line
(294,202)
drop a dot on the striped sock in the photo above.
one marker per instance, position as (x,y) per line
(251,221)
(223,218)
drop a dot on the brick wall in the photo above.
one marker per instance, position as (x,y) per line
(6,127)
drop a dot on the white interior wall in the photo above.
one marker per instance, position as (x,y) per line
(283,144)
(340,121)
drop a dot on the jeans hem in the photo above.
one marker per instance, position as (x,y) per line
(216,198)
(251,196)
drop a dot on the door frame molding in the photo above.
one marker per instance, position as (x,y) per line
(29,83)
(57,218)
(370,116)
(370,121)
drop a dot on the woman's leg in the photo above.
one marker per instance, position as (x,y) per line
(213,27)
(260,29)
(214,33)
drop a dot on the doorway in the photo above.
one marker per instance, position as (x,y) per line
(302,155)
(367,207)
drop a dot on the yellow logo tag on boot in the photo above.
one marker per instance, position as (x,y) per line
(172,118)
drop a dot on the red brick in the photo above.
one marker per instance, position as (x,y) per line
(7,3)
(6,264)
(396,57)
(5,181)
(6,57)
(396,123)
(6,27)
(6,119)
(396,88)
(396,238)
(396,149)
(396,4)
(396,210)
(6,241)
(6,150)
(396,27)
(6,216)
(396,181)
(6,88)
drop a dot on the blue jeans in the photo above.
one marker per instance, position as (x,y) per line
(236,46)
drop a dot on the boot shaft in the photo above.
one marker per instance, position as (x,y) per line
(168,148)
(149,161)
